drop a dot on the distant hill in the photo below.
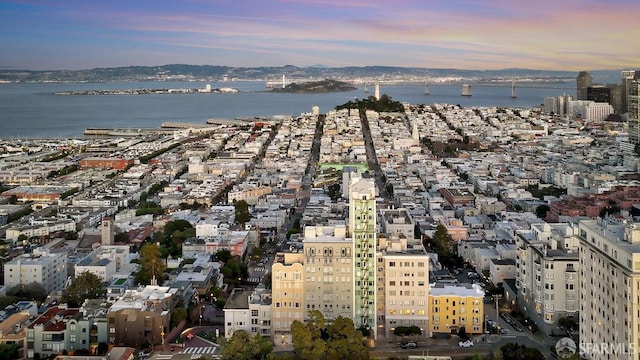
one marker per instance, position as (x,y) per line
(178,72)
(323,86)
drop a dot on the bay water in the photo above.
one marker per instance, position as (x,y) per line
(33,110)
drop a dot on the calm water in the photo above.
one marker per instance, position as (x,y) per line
(33,111)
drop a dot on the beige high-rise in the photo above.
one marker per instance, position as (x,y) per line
(609,289)
(329,271)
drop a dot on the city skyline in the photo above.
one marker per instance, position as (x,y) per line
(544,35)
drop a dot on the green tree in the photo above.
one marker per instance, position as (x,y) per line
(179,314)
(334,191)
(242,346)
(151,264)
(542,210)
(243,215)
(234,270)
(223,255)
(442,241)
(514,351)
(8,351)
(176,225)
(256,253)
(31,291)
(87,285)
(339,340)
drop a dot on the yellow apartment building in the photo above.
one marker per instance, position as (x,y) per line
(453,306)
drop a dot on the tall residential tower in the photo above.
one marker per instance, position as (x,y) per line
(362,228)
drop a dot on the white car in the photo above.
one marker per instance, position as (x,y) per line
(465,343)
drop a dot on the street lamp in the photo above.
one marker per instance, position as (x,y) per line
(201,308)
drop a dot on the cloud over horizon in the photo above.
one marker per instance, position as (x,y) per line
(464,34)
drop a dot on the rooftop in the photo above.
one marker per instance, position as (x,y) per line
(239,299)
(54,319)
(463,290)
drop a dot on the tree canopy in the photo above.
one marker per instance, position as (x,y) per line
(234,270)
(313,339)
(407,330)
(31,291)
(151,264)
(443,244)
(385,104)
(242,346)
(223,255)
(87,285)
(334,191)
(243,215)
(542,210)
(442,240)
(514,351)
(9,351)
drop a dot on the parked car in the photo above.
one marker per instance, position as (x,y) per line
(409,345)
(465,343)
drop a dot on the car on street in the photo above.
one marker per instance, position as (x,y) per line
(409,345)
(465,343)
(504,331)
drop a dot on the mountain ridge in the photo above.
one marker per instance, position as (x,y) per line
(176,72)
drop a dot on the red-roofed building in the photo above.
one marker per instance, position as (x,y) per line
(63,329)
(46,334)
(106,163)
(591,205)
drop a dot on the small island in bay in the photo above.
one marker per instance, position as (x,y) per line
(315,87)
(206,89)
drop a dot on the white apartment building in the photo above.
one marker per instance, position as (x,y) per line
(548,277)
(610,287)
(260,311)
(403,285)
(105,262)
(42,267)
(596,111)
(211,226)
(41,227)
(237,315)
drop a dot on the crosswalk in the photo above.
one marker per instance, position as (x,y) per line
(254,280)
(200,350)
(260,269)
(211,352)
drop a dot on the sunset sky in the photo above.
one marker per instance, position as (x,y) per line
(462,34)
